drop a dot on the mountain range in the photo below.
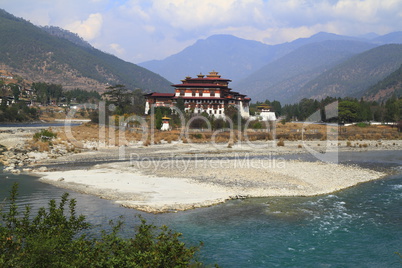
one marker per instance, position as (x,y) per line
(286,72)
(324,64)
(54,55)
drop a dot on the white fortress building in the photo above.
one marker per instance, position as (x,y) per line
(205,93)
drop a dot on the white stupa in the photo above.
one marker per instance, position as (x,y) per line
(165,123)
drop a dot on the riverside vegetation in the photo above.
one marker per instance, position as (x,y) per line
(58,237)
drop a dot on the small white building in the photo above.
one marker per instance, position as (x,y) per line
(266,113)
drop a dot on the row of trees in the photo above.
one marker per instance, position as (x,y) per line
(349,110)
(46,92)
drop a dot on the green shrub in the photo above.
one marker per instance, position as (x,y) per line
(44,135)
(197,136)
(361,124)
(56,237)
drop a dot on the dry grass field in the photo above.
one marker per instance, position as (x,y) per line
(289,132)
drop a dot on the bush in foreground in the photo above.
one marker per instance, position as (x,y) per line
(55,237)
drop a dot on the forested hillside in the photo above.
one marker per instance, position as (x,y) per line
(37,55)
(355,75)
(283,78)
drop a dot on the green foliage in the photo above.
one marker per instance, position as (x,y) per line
(160,112)
(81,96)
(256,125)
(44,135)
(302,110)
(57,237)
(46,92)
(349,110)
(180,104)
(197,136)
(125,100)
(361,124)
(15,90)
(17,112)
(94,116)
(276,107)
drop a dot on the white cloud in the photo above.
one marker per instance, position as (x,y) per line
(88,29)
(188,15)
(117,49)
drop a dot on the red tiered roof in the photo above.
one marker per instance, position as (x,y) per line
(210,80)
(197,85)
(161,95)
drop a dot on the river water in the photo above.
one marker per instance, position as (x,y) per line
(356,227)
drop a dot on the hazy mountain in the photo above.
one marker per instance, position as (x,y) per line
(232,57)
(355,75)
(283,78)
(40,56)
(391,38)
(319,37)
(384,89)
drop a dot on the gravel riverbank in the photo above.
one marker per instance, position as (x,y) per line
(164,186)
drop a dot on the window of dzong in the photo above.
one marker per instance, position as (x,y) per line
(212,94)
(181,92)
(193,93)
(200,92)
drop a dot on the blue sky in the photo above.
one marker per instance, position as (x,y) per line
(140,30)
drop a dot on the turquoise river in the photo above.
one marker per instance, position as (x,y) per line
(356,227)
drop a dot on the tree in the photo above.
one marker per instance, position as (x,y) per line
(16,91)
(180,104)
(125,101)
(392,110)
(348,111)
(277,108)
(57,237)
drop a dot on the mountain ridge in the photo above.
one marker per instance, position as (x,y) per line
(355,75)
(301,66)
(33,53)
